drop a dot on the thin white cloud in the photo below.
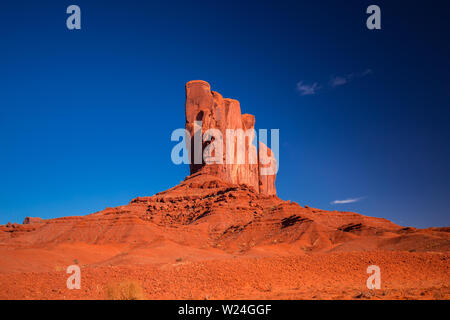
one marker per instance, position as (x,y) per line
(337,81)
(306,89)
(367,72)
(346,201)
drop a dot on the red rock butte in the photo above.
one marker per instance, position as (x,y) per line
(222,233)
(216,112)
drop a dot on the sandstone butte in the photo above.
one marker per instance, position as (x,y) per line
(222,233)
(214,112)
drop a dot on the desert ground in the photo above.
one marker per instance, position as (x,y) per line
(210,239)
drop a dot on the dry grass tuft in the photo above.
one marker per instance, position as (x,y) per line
(125,290)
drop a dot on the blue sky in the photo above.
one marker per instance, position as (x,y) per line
(86,115)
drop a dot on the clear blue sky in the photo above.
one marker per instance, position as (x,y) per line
(86,116)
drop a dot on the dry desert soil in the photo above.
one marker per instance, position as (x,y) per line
(210,239)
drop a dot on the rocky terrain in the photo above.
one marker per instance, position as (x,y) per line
(222,233)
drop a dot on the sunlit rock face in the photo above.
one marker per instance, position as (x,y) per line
(228,153)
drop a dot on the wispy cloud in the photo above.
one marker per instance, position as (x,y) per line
(306,89)
(337,81)
(346,201)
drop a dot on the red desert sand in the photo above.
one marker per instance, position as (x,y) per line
(222,233)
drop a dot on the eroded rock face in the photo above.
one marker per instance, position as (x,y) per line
(31,220)
(267,163)
(234,158)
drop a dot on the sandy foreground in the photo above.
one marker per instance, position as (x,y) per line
(208,239)
(404,275)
